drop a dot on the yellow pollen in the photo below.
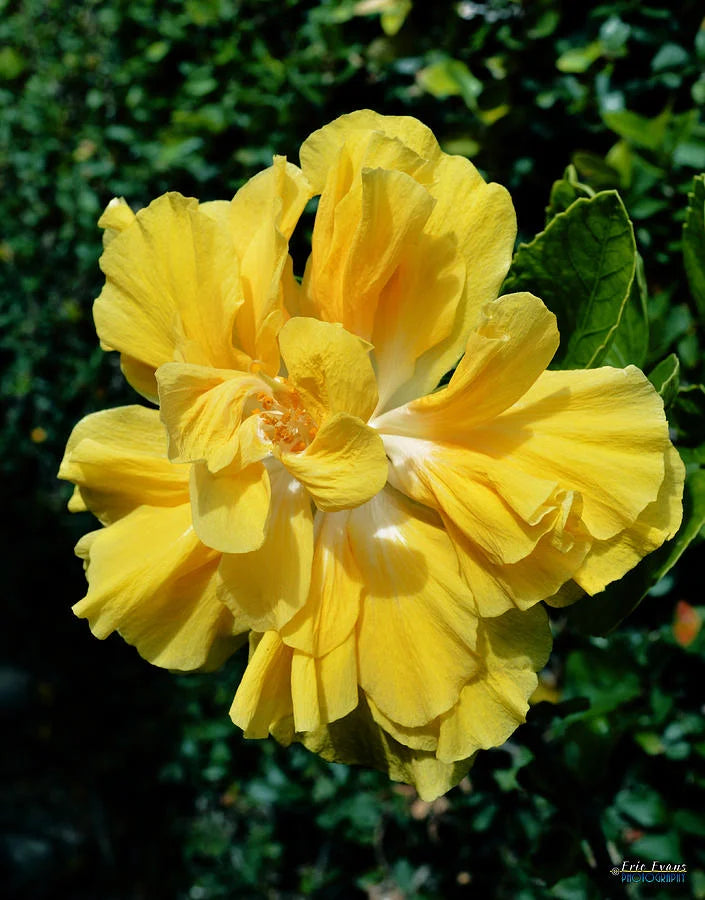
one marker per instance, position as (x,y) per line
(285,421)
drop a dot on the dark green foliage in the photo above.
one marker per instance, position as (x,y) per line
(126,782)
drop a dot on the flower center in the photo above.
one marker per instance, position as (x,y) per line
(284,421)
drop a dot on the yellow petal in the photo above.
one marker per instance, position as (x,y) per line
(264,589)
(416,632)
(513,342)
(337,681)
(374,225)
(117,459)
(658,522)
(150,579)
(480,220)
(446,263)
(263,698)
(423,737)
(343,466)
(417,311)
(513,648)
(333,603)
(554,560)
(76,502)
(279,193)
(320,152)
(601,432)
(502,512)
(329,366)
(230,509)
(171,286)
(262,217)
(116,217)
(358,740)
(141,376)
(324,690)
(202,409)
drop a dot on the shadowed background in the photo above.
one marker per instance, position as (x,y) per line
(123,781)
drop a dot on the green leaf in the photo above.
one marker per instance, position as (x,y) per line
(638,130)
(694,243)
(393,18)
(595,170)
(582,266)
(579,59)
(670,56)
(602,613)
(607,679)
(565,192)
(642,804)
(614,34)
(665,377)
(12,64)
(631,340)
(450,78)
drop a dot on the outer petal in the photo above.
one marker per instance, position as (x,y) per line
(230,509)
(152,580)
(171,286)
(265,588)
(514,340)
(343,466)
(324,690)
(359,740)
(329,366)
(601,432)
(402,142)
(117,459)
(513,648)
(333,604)
(116,217)
(555,559)
(263,698)
(416,633)
(658,522)
(501,511)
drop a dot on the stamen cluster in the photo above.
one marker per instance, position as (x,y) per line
(285,421)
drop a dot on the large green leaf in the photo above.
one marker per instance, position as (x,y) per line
(631,340)
(582,266)
(602,613)
(694,243)
(638,130)
(565,192)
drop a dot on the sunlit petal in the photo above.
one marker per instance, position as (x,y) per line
(263,698)
(264,588)
(329,366)
(343,466)
(513,648)
(333,604)
(151,579)
(117,459)
(230,508)
(417,631)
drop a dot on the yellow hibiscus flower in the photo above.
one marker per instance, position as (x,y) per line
(385,543)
